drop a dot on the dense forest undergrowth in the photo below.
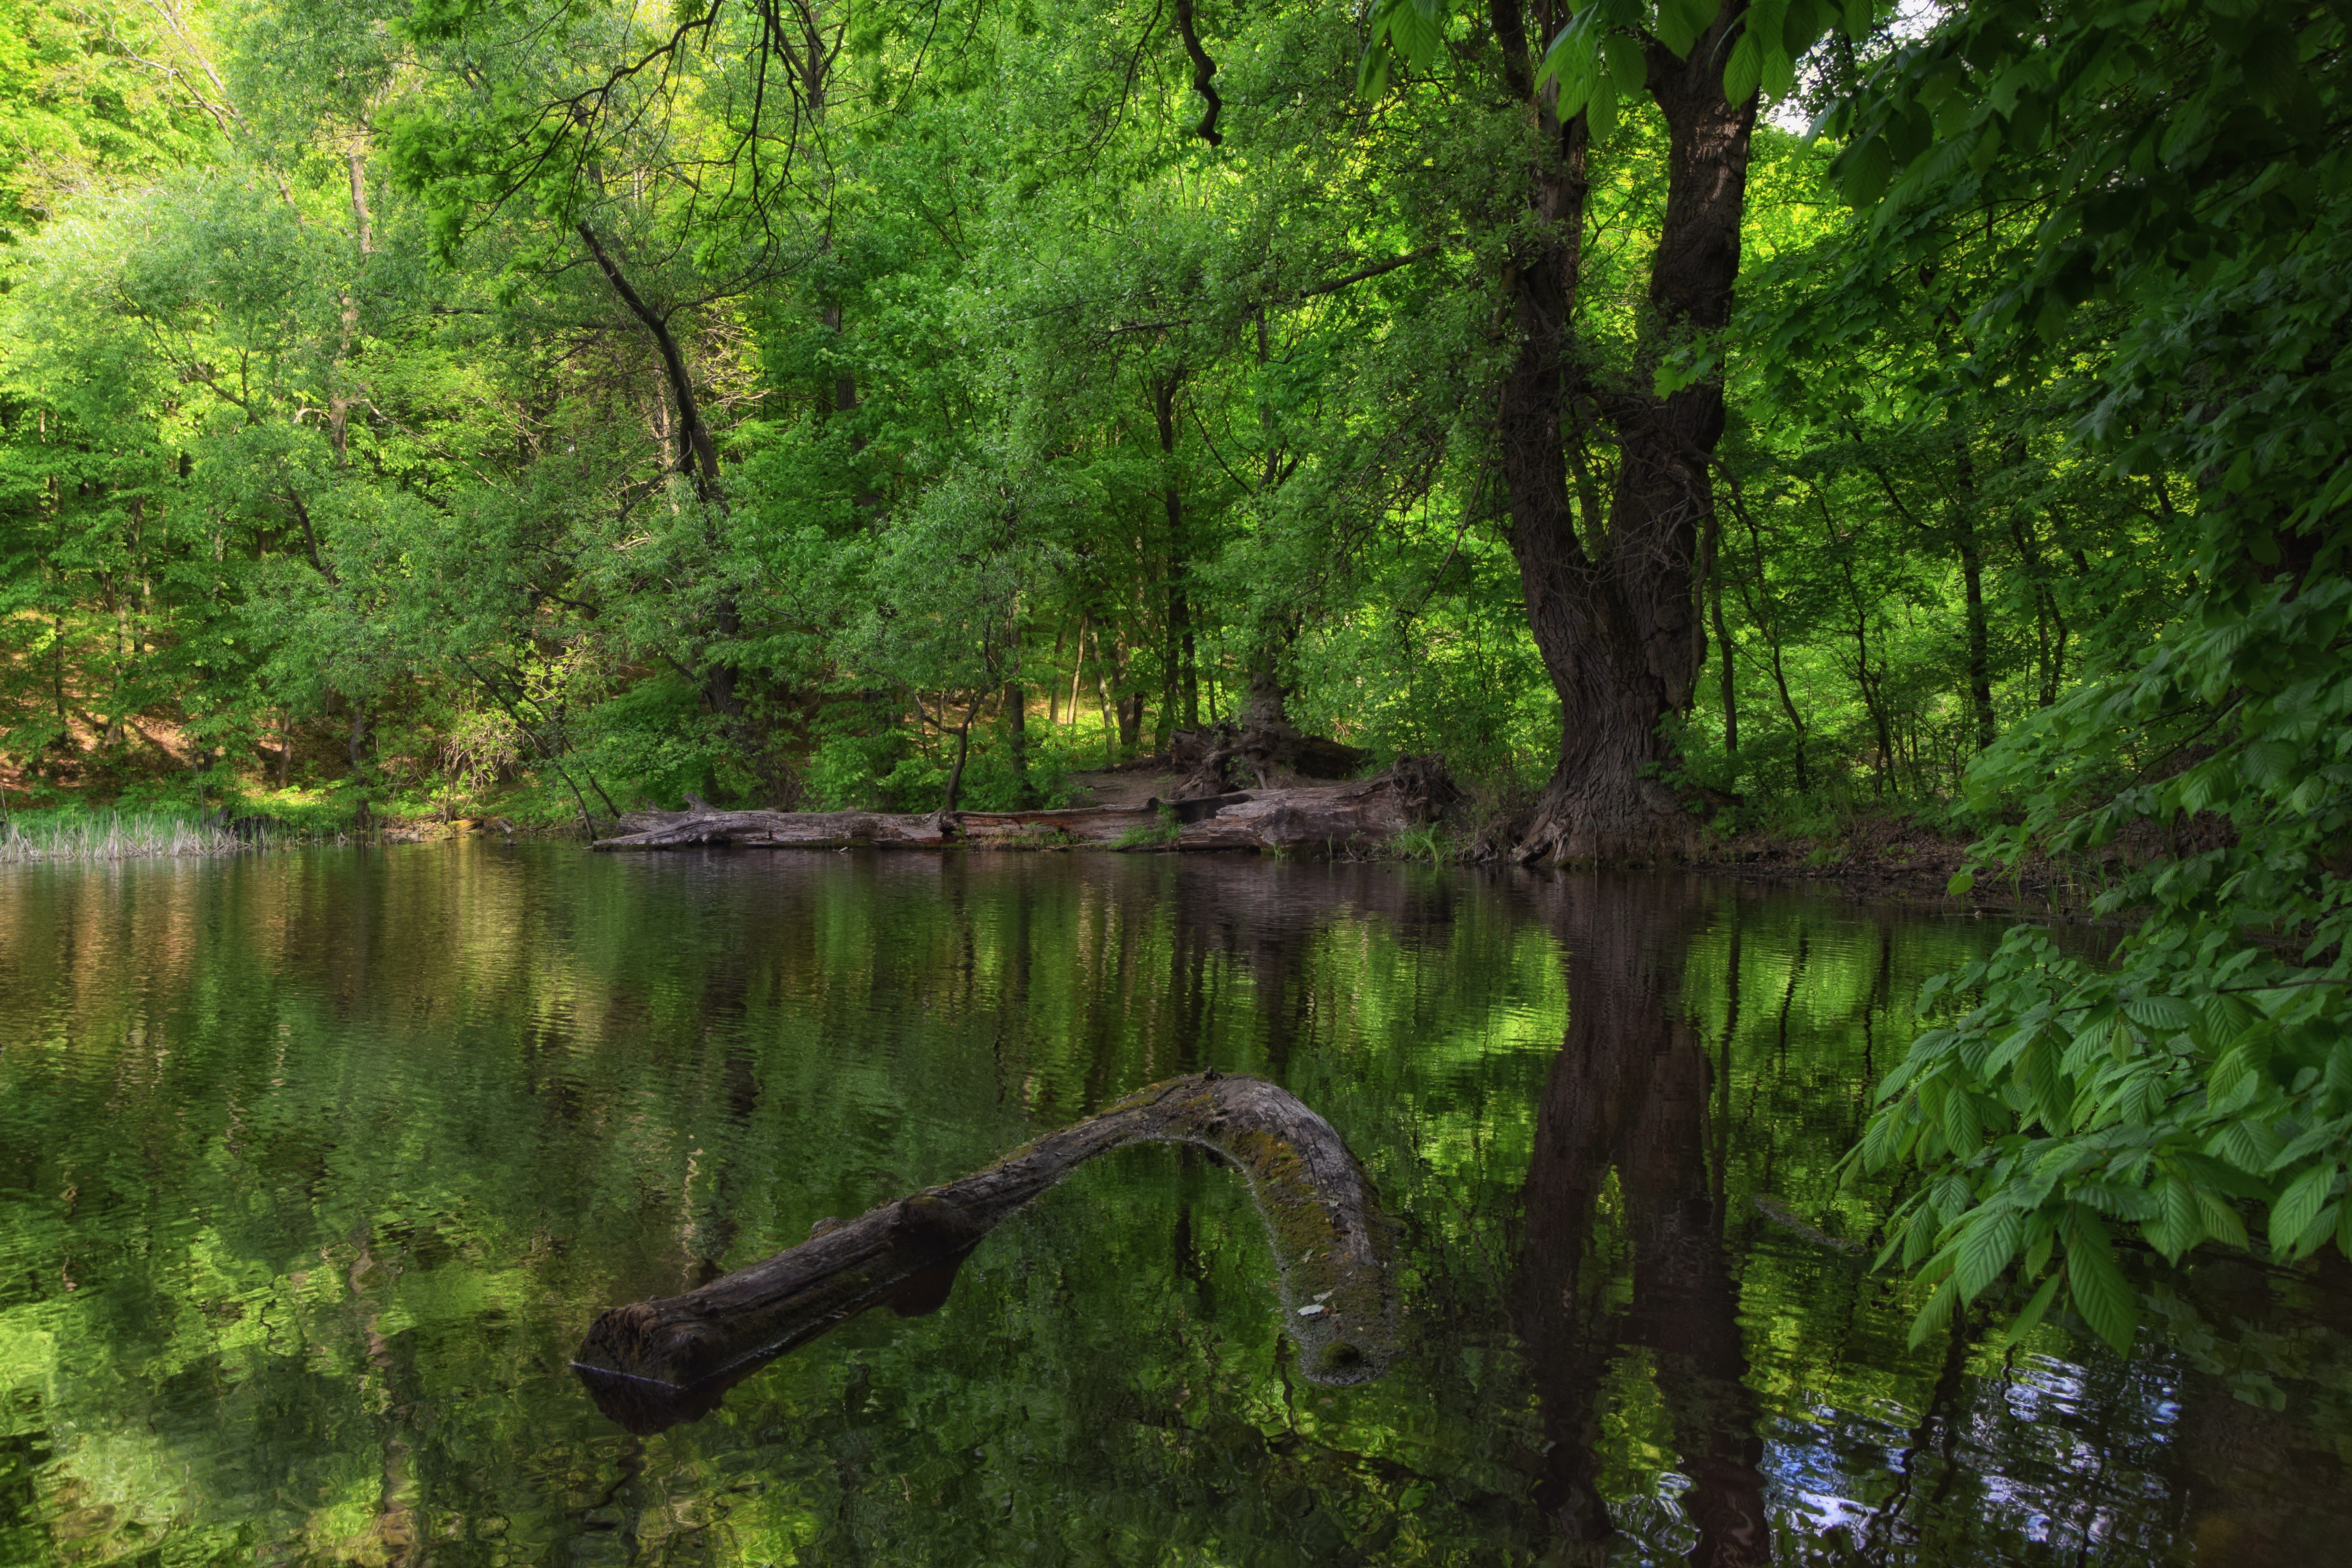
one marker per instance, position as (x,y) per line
(1773,431)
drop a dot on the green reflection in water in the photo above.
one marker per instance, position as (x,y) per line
(315,1167)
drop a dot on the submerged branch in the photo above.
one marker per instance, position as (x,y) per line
(652,1364)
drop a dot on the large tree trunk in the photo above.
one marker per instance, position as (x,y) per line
(651,1364)
(1612,605)
(1184,667)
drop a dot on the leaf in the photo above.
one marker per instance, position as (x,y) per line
(2179,1224)
(2295,1219)
(2044,1236)
(1918,1240)
(2248,1145)
(1627,67)
(1986,1248)
(2222,1222)
(1744,72)
(1936,1312)
(1601,110)
(1962,881)
(2268,762)
(1415,34)
(1867,169)
(2234,1080)
(1680,22)
(2035,1310)
(1879,1141)
(1963,1128)
(2159,1013)
(1861,16)
(2097,1287)
(2010,1049)
(2313,1141)
(1779,76)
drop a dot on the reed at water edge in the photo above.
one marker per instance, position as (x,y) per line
(27,836)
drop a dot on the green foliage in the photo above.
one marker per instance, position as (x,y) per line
(2176,163)
(1161,834)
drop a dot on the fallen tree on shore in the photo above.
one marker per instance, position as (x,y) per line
(1320,818)
(652,1364)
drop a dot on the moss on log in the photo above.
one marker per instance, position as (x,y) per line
(654,1364)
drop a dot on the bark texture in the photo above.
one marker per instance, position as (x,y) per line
(652,1364)
(1611,599)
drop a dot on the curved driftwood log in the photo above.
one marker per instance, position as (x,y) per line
(652,1364)
(1306,819)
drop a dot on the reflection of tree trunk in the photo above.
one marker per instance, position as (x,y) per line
(1629,1093)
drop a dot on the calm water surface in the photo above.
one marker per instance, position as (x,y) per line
(313,1168)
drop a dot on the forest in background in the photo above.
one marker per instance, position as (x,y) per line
(1028,399)
(1681,416)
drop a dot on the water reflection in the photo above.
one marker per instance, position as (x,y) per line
(1625,1125)
(314,1167)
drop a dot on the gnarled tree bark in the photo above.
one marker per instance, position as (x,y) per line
(1612,602)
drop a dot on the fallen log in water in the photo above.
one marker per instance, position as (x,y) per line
(1308,819)
(651,1364)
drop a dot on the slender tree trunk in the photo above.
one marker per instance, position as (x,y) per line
(698,454)
(1789,707)
(2050,626)
(1017,731)
(1183,672)
(962,751)
(1964,543)
(1612,610)
(1759,612)
(1102,699)
(1130,723)
(1730,686)
(1870,692)
(1871,687)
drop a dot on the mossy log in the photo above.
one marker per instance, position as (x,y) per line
(1308,819)
(654,1364)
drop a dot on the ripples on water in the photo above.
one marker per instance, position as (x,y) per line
(313,1167)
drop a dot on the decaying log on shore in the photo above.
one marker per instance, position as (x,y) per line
(651,1364)
(1311,818)
(1267,754)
